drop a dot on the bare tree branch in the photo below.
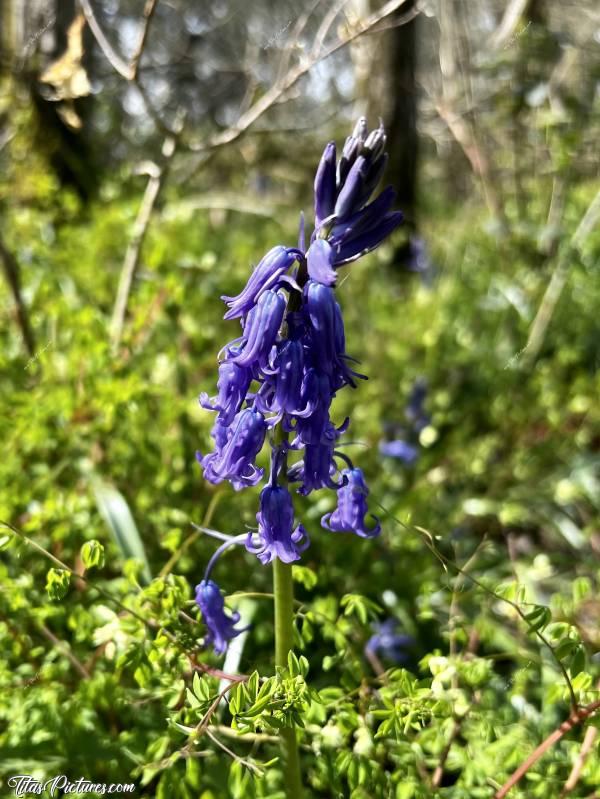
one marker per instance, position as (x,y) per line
(13,278)
(65,649)
(277,92)
(129,71)
(115,60)
(149,9)
(506,30)
(134,249)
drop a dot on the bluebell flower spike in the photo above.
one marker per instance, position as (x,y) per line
(290,361)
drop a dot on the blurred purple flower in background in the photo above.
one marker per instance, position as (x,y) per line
(405,452)
(387,643)
(406,449)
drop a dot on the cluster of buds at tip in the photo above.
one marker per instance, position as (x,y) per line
(289,362)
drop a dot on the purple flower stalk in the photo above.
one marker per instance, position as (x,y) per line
(289,363)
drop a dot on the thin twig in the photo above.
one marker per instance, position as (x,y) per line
(13,278)
(558,281)
(247,763)
(114,59)
(254,737)
(574,719)
(129,71)
(134,248)
(149,9)
(146,621)
(65,650)
(447,562)
(436,779)
(76,574)
(586,747)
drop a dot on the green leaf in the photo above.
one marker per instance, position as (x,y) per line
(577,663)
(538,618)
(305,576)
(57,583)
(293,664)
(92,554)
(5,540)
(116,513)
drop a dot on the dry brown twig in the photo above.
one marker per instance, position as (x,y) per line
(586,747)
(577,717)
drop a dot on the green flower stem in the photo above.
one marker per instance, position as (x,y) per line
(283,596)
(283,590)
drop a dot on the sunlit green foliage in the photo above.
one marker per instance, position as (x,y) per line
(102,669)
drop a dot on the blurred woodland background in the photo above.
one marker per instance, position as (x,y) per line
(151,151)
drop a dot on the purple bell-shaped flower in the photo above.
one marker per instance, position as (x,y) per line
(351,511)
(221,626)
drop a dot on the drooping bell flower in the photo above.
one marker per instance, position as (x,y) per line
(220,625)
(320,259)
(234,455)
(276,537)
(351,511)
(281,391)
(270,269)
(261,329)
(364,230)
(232,387)
(327,336)
(348,200)
(316,398)
(317,468)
